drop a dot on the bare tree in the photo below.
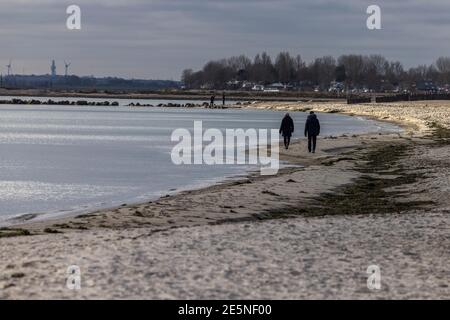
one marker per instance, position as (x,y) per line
(186,77)
(285,67)
(443,66)
(300,69)
(323,71)
(217,73)
(262,69)
(354,67)
(238,63)
(394,72)
(373,71)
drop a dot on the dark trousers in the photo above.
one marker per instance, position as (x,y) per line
(312,142)
(287,141)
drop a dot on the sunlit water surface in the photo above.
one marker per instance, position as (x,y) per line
(61,159)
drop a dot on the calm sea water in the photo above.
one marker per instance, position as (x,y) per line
(56,160)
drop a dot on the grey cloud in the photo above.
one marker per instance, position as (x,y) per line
(158,38)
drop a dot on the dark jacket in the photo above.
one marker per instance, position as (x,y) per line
(287,126)
(312,127)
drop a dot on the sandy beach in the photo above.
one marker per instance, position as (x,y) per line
(309,232)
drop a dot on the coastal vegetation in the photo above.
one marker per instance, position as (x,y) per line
(373,72)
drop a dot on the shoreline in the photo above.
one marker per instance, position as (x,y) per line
(292,163)
(405,177)
(204,95)
(297,161)
(28,220)
(407,128)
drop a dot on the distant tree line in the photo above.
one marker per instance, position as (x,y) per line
(357,71)
(75,82)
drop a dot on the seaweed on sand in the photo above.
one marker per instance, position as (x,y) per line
(381,170)
(440,133)
(9,233)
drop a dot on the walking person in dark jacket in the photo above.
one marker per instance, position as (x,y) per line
(312,130)
(286,129)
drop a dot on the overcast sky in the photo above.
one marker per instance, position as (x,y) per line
(159,38)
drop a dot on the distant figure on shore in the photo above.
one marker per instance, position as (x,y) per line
(213,98)
(223,99)
(312,130)
(286,129)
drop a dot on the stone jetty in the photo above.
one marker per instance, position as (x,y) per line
(18,101)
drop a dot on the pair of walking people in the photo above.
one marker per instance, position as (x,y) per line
(312,130)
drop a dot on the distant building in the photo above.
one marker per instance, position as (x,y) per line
(426,86)
(305,86)
(275,87)
(247,85)
(234,85)
(336,87)
(258,87)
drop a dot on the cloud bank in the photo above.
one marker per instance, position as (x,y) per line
(159,38)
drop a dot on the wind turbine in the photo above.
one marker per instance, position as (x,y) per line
(9,66)
(67,65)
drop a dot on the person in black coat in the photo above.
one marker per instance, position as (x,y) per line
(286,129)
(312,130)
